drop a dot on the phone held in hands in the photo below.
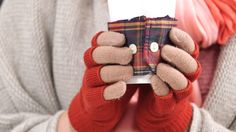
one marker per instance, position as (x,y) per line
(146,25)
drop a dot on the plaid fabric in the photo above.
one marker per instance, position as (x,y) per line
(142,31)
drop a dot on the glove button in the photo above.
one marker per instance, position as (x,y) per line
(133,47)
(154,47)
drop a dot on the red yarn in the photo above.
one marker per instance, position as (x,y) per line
(224,13)
(193,76)
(170,113)
(95,37)
(195,53)
(89,111)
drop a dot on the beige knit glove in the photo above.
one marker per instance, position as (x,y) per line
(103,96)
(164,105)
(180,63)
(110,51)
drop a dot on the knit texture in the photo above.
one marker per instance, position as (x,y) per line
(170,113)
(224,83)
(41,65)
(208,58)
(89,111)
(167,113)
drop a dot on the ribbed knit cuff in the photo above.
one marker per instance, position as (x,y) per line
(95,37)
(164,104)
(82,107)
(89,111)
(94,97)
(79,119)
(180,117)
(195,75)
(170,113)
(93,77)
(177,122)
(88,57)
(195,53)
(180,123)
(182,94)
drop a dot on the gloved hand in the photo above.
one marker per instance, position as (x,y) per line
(103,96)
(164,105)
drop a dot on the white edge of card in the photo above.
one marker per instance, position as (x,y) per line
(144,79)
(127,9)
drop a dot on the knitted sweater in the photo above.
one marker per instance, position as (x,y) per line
(41,65)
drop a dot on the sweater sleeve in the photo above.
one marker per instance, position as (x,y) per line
(24,119)
(28,101)
(203,122)
(218,113)
(29,122)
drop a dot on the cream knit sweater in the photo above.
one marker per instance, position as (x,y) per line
(41,66)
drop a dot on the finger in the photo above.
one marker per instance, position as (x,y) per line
(184,93)
(164,104)
(102,95)
(88,58)
(100,75)
(108,39)
(175,79)
(114,73)
(114,91)
(107,55)
(92,77)
(159,87)
(119,91)
(195,53)
(193,76)
(179,58)
(112,55)
(182,39)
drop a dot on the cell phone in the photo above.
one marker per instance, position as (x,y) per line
(146,24)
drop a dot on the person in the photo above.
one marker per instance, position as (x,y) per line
(0,3)
(42,46)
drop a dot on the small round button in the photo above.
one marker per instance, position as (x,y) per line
(154,47)
(133,47)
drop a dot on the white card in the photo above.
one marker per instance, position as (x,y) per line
(127,9)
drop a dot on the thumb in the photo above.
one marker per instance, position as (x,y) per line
(115,91)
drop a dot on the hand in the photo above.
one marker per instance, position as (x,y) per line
(103,96)
(163,105)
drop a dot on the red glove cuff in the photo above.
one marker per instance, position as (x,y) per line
(195,53)
(184,93)
(170,113)
(95,37)
(195,75)
(93,78)
(88,57)
(74,113)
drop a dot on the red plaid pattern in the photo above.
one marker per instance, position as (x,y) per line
(142,31)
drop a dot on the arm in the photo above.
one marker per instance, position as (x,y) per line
(28,101)
(219,108)
(26,33)
(166,107)
(203,122)
(28,122)
(64,124)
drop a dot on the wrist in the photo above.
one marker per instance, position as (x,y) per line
(172,112)
(64,124)
(170,123)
